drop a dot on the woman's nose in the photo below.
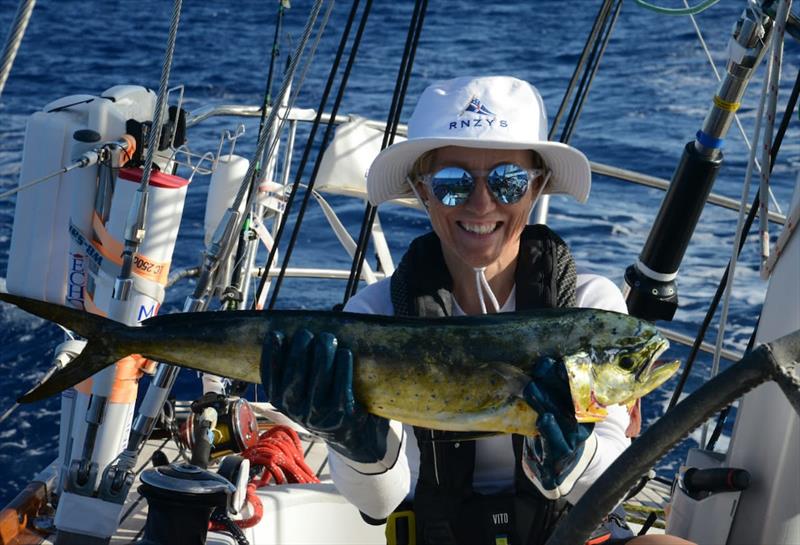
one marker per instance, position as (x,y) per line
(481,198)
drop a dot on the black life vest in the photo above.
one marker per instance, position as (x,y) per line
(447,509)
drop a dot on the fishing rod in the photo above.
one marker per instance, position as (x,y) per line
(326,137)
(233,295)
(262,285)
(165,376)
(587,65)
(220,246)
(398,97)
(650,289)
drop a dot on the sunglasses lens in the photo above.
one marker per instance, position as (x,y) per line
(508,183)
(452,185)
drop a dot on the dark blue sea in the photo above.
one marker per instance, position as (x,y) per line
(649,98)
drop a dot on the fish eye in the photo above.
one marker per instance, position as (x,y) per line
(627,363)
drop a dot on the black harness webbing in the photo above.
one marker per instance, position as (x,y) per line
(447,510)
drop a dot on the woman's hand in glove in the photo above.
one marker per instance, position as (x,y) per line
(309,378)
(556,457)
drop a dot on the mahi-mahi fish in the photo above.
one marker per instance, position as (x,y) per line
(457,374)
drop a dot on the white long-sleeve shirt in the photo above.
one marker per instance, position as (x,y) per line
(377,489)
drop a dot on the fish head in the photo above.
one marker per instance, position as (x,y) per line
(617,369)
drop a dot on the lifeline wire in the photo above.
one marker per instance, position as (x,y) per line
(398,97)
(325,138)
(304,159)
(701,333)
(14,39)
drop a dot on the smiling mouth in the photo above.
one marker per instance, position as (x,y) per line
(479,228)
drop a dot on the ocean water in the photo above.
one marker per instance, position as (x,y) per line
(649,98)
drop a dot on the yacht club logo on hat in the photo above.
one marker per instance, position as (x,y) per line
(476,106)
(485,118)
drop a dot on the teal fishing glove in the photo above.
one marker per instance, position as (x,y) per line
(310,379)
(556,457)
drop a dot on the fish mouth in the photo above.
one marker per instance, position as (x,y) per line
(656,346)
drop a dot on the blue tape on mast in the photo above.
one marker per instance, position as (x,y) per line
(708,141)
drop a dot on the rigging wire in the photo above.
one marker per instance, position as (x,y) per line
(693,10)
(135,224)
(701,333)
(393,119)
(14,39)
(306,153)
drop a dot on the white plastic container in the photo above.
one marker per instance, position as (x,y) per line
(40,241)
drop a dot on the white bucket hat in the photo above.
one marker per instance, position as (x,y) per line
(494,112)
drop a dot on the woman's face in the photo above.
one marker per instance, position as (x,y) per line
(481,231)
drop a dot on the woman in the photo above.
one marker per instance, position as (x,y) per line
(477,158)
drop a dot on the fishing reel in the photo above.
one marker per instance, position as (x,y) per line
(219,426)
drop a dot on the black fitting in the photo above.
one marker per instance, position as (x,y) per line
(652,299)
(669,237)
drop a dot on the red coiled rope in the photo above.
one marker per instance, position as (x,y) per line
(280,452)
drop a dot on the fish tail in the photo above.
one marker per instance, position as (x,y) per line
(100,352)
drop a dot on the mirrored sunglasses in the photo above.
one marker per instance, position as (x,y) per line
(508,183)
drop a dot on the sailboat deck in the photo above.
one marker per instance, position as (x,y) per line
(651,498)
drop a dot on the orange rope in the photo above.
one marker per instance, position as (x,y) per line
(280,452)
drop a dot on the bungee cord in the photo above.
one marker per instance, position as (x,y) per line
(324,144)
(393,119)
